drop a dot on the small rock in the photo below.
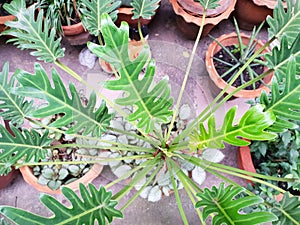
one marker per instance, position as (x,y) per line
(198,175)
(155,194)
(145,192)
(87,58)
(122,170)
(213,155)
(184,112)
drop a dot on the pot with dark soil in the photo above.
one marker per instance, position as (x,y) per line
(227,54)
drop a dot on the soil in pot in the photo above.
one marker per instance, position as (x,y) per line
(222,68)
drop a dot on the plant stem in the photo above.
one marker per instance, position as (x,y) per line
(179,204)
(186,76)
(140,31)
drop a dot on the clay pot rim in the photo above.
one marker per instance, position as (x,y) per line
(69,30)
(29,178)
(198,20)
(268,3)
(213,48)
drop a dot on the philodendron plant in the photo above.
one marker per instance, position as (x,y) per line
(153,108)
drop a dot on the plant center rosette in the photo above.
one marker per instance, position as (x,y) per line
(161,185)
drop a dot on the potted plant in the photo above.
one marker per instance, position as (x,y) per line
(5,16)
(190,16)
(254,12)
(152,107)
(279,157)
(126,12)
(64,15)
(228,53)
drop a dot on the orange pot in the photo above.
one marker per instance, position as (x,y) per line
(125,14)
(227,40)
(250,13)
(7,179)
(134,48)
(189,22)
(4,19)
(74,29)
(86,179)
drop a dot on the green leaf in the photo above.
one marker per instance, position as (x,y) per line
(14,108)
(208,4)
(221,204)
(87,119)
(95,206)
(152,101)
(30,32)
(280,57)
(91,11)
(285,104)
(251,126)
(288,210)
(285,21)
(144,8)
(25,145)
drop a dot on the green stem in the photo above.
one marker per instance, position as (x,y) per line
(179,204)
(186,76)
(144,156)
(140,31)
(124,147)
(188,186)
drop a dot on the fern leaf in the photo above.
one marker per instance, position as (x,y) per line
(85,119)
(144,8)
(91,11)
(285,104)
(285,21)
(251,126)
(31,33)
(220,203)
(287,210)
(152,101)
(208,4)
(95,205)
(23,145)
(13,107)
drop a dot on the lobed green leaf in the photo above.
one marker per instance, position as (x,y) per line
(85,119)
(222,205)
(95,206)
(144,8)
(152,101)
(31,32)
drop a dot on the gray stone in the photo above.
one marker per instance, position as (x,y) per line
(87,58)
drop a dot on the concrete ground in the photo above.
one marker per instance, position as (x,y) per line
(171,50)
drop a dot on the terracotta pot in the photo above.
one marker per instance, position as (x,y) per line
(4,19)
(134,48)
(7,179)
(189,16)
(125,14)
(250,13)
(86,179)
(227,40)
(74,29)
(245,163)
